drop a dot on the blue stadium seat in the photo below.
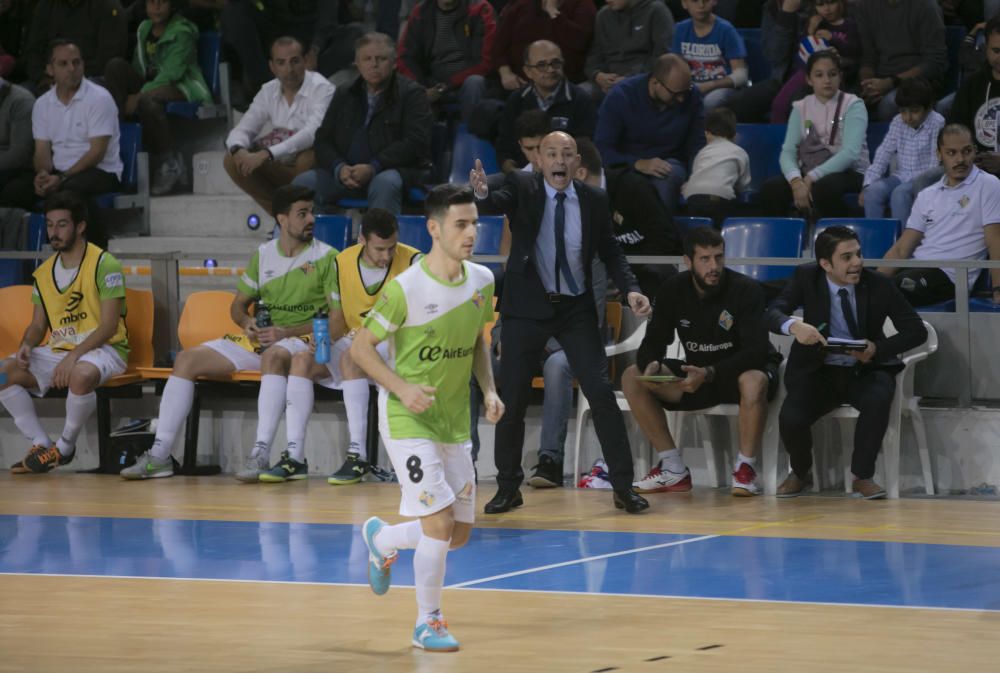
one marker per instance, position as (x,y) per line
(466,149)
(757,63)
(413,232)
(953,36)
(16,271)
(209,60)
(983,305)
(764,237)
(875,135)
(334,230)
(685,224)
(876,236)
(763,143)
(489,233)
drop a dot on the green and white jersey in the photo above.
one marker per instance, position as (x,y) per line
(432,326)
(293,288)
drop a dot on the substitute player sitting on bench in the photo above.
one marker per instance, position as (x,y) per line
(289,276)
(79,295)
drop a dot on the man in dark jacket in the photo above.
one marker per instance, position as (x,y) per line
(568,107)
(447,47)
(977,104)
(98,27)
(375,139)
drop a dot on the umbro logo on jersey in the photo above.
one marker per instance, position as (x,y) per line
(684,322)
(431,309)
(75,298)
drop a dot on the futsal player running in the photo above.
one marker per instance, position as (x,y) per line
(433,315)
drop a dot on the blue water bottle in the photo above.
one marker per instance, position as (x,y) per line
(321,337)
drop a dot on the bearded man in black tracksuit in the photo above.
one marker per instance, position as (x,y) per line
(720,319)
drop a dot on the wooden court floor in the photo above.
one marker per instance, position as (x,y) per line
(59,622)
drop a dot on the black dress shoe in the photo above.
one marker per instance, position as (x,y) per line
(629,500)
(504,501)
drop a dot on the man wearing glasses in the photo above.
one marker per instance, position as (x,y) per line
(653,125)
(567,106)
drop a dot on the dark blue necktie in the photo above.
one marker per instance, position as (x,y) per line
(562,263)
(845,306)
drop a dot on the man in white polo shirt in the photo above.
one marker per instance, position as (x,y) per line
(957,217)
(75,125)
(273,142)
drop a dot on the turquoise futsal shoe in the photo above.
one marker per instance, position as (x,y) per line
(433,636)
(379,566)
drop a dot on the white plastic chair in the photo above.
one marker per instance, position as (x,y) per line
(904,404)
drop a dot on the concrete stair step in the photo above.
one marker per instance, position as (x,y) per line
(210,177)
(201,245)
(199,215)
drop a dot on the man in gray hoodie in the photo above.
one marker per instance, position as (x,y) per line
(629,35)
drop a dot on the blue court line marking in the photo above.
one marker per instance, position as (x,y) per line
(743,568)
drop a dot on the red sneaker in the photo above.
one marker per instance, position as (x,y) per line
(745,481)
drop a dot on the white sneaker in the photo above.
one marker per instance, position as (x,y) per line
(253,468)
(148,466)
(662,481)
(745,481)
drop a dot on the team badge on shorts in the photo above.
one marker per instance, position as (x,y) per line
(426,499)
(465,495)
(726,320)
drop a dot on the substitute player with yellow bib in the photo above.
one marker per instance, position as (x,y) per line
(361,272)
(289,275)
(79,296)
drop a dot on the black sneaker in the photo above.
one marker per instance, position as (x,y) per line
(548,473)
(381,474)
(350,472)
(287,469)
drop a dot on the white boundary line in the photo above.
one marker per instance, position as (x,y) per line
(585,559)
(523,591)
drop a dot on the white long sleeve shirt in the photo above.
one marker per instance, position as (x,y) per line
(284,129)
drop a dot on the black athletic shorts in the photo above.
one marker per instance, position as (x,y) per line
(720,391)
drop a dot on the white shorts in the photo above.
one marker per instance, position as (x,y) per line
(44,361)
(433,476)
(242,359)
(337,349)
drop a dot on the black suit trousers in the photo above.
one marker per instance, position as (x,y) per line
(870,391)
(522,342)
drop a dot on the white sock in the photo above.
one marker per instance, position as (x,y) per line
(19,405)
(78,409)
(356,401)
(740,459)
(405,535)
(428,573)
(175,405)
(671,461)
(270,406)
(300,405)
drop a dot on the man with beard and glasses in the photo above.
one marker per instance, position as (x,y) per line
(79,297)
(840,300)
(718,315)
(288,276)
(958,217)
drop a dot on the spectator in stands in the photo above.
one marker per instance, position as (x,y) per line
(718,314)
(531,126)
(840,299)
(375,138)
(721,171)
(908,150)
(79,300)
(898,40)
(96,27)
(14,18)
(955,218)
(359,274)
(165,68)
(273,141)
(288,276)
(447,46)
(828,28)
(567,106)
(977,104)
(642,226)
(629,35)
(713,50)
(825,153)
(654,125)
(15,141)
(75,127)
(567,23)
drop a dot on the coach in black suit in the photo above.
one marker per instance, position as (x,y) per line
(557,226)
(840,299)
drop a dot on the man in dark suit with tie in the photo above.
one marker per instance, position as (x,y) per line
(557,226)
(843,300)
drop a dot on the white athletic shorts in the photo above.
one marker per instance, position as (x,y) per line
(337,349)
(433,476)
(242,359)
(44,361)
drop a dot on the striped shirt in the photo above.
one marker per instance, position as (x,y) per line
(915,150)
